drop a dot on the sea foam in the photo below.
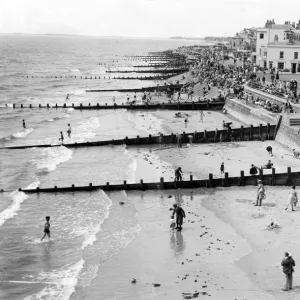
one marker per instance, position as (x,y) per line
(91,235)
(18,198)
(51,158)
(61,282)
(23,133)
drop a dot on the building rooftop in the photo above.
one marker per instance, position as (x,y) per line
(282,26)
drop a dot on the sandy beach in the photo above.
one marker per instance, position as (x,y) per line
(224,251)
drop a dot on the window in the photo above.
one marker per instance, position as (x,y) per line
(265,53)
(281,54)
(260,51)
(265,64)
(276,38)
(270,65)
(261,36)
(295,55)
(280,66)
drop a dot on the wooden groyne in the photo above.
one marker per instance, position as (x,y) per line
(156,77)
(141,90)
(251,133)
(274,179)
(207,105)
(163,71)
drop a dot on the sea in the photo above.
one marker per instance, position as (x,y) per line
(64,267)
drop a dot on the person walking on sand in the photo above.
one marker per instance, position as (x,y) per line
(292,199)
(179,140)
(69,131)
(67,97)
(61,137)
(186,120)
(24,125)
(269,149)
(46,228)
(178,174)
(180,214)
(260,193)
(288,265)
(201,115)
(222,168)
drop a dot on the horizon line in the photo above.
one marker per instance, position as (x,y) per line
(103,36)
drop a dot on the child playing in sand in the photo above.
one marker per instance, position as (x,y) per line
(173,224)
(46,228)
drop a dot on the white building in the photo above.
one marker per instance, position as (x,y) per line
(278,46)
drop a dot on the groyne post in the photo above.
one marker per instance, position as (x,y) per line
(21,105)
(261,174)
(183,137)
(107,186)
(242,133)
(260,131)
(208,104)
(47,105)
(149,139)
(191,178)
(172,138)
(55,105)
(80,105)
(14,105)
(90,185)
(30,106)
(72,104)
(273,177)
(40,105)
(251,133)
(126,140)
(125,185)
(211,180)
(268,131)
(226,179)
(205,135)
(138,140)
(142,184)
(289,176)
(242,179)
(161,183)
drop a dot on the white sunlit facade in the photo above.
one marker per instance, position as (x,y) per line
(278,46)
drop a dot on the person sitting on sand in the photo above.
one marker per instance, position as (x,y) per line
(273,225)
(46,228)
(296,153)
(292,199)
(180,214)
(268,165)
(253,170)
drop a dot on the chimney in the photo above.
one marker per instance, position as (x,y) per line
(273,22)
(298,25)
(286,23)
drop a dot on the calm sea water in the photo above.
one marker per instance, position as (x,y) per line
(64,267)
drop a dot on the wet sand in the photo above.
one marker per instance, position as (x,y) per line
(203,260)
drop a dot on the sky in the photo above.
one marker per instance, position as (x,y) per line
(143,18)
